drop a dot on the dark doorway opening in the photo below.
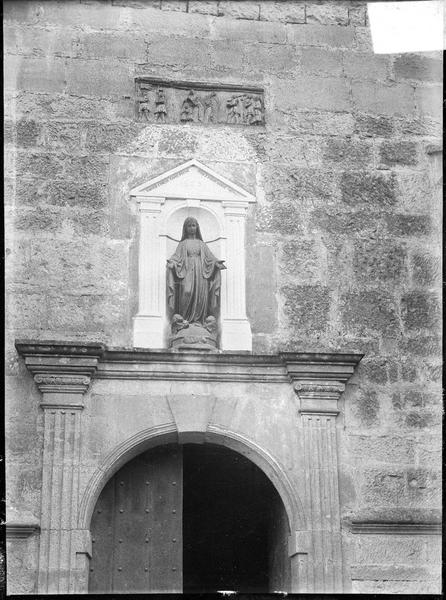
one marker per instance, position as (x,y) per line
(192,518)
(229,522)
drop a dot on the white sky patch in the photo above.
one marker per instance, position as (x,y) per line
(399,27)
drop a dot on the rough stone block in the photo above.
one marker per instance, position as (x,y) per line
(176,5)
(249,31)
(304,260)
(398,153)
(384,487)
(381,448)
(372,310)
(357,15)
(394,572)
(313,93)
(382,99)
(39,164)
(261,289)
(320,60)
(35,74)
(327,13)
(320,123)
(340,223)
(382,260)
(426,269)
(32,41)
(116,78)
(23,12)
(418,126)
(359,65)
(374,126)
(417,66)
(247,9)
(204,7)
(419,419)
(112,45)
(272,58)
(366,408)
(27,311)
(421,346)
(64,137)
(87,168)
(28,132)
(307,306)
(184,52)
(429,101)
(350,153)
(384,550)
(331,36)
(365,187)
(379,370)
(109,137)
(409,225)
(420,310)
(284,11)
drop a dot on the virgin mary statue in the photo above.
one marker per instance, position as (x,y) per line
(193,277)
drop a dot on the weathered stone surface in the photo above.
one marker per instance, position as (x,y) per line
(409,225)
(261,289)
(82,78)
(366,408)
(320,60)
(381,448)
(351,154)
(360,65)
(426,269)
(372,310)
(326,14)
(340,223)
(429,101)
(378,99)
(379,370)
(420,310)
(267,58)
(239,10)
(375,190)
(177,5)
(304,260)
(357,15)
(318,123)
(204,7)
(374,126)
(332,36)
(423,345)
(307,306)
(417,66)
(398,153)
(379,260)
(38,42)
(249,31)
(28,132)
(117,45)
(283,11)
(311,93)
(35,74)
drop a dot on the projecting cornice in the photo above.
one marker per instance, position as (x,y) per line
(67,365)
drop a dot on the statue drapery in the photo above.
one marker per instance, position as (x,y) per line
(193,277)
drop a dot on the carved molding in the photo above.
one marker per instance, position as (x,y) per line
(20,530)
(64,384)
(395,528)
(165,101)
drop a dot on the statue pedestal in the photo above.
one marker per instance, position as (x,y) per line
(193,338)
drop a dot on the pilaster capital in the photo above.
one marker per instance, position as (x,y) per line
(318,397)
(150,204)
(235,209)
(61,367)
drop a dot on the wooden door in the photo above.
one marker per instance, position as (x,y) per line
(137,526)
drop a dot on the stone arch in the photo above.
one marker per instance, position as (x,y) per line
(155,436)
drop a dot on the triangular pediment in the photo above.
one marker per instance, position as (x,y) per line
(193,179)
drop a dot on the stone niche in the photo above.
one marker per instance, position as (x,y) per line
(220,206)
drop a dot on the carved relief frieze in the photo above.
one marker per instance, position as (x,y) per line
(160,101)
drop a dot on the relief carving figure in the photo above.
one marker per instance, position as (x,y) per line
(210,108)
(258,112)
(160,106)
(248,104)
(144,109)
(191,108)
(193,289)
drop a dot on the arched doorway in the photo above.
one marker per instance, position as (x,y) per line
(192,518)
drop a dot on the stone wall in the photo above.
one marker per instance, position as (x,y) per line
(343,246)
